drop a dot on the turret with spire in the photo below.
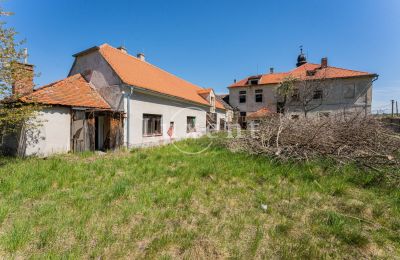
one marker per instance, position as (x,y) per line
(301,59)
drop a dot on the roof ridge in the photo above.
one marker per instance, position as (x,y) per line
(150,64)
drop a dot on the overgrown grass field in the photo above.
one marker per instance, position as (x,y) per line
(161,203)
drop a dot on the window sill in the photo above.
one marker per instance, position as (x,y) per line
(155,135)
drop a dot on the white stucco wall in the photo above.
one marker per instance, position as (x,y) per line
(53,136)
(220,115)
(170,110)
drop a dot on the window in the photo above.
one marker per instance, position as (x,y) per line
(242,96)
(259,95)
(191,124)
(296,95)
(253,82)
(152,125)
(280,107)
(349,91)
(317,94)
(212,101)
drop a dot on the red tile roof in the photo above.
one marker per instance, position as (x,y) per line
(263,112)
(73,91)
(301,73)
(136,72)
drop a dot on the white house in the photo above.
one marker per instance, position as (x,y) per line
(112,98)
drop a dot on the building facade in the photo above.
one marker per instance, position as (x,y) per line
(317,89)
(112,99)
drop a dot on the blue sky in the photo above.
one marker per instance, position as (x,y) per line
(210,43)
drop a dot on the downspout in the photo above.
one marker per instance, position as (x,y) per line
(128,115)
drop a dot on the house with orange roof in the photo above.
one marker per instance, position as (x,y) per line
(338,90)
(111,99)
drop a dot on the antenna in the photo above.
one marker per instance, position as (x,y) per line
(26,55)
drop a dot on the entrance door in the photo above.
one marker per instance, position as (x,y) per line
(99,138)
(78,131)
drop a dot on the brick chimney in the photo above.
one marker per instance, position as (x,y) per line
(23,79)
(141,56)
(324,63)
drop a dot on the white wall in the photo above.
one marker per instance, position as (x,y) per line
(171,111)
(220,115)
(54,134)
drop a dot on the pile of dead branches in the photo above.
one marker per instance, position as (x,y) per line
(344,138)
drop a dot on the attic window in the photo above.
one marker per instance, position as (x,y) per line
(253,82)
(311,72)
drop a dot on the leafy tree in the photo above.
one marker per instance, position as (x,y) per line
(14,114)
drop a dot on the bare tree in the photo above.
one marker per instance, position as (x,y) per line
(305,91)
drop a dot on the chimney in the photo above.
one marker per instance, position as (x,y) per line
(234,81)
(22,79)
(141,56)
(123,49)
(271,70)
(324,63)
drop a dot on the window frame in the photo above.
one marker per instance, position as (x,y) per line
(258,93)
(318,94)
(242,96)
(153,118)
(191,126)
(345,92)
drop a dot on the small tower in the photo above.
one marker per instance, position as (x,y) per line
(301,59)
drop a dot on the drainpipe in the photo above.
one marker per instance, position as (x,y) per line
(128,115)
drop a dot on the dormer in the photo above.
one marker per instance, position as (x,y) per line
(254,80)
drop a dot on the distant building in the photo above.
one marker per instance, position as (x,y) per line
(342,90)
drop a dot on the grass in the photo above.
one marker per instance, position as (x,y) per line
(161,203)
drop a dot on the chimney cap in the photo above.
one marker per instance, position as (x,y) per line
(122,49)
(141,56)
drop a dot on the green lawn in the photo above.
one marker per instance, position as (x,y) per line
(161,203)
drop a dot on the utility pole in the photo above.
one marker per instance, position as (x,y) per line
(392,107)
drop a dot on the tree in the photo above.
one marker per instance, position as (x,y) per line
(306,91)
(14,114)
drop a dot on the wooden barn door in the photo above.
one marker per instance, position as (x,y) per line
(78,131)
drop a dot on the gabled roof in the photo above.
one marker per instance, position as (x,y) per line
(138,73)
(301,73)
(73,91)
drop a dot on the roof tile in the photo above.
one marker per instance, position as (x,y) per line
(73,91)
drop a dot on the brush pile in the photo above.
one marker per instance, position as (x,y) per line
(343,138)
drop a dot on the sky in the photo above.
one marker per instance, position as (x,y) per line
(211,43)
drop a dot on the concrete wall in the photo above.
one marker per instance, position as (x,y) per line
(269,98)
(171,111)
(54,134)
(334,101)
(102,76)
